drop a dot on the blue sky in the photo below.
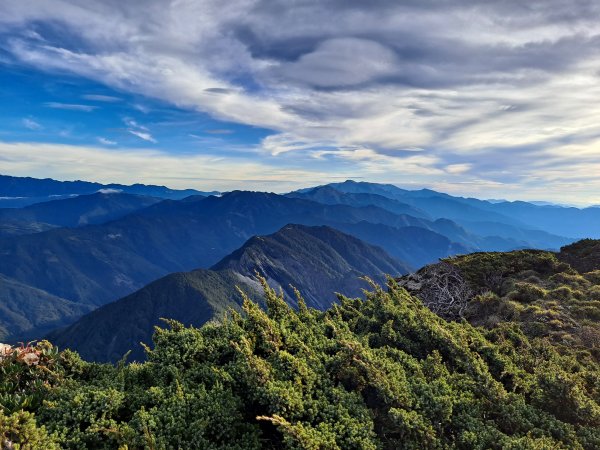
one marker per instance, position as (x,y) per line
(38,106)
(488,99)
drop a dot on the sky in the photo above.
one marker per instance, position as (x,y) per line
(490,99)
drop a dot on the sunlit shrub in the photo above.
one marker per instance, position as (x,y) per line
(527,293)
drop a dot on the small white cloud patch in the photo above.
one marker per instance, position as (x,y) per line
(105,141)
(458,168)
(144,135)
(31,124)
(70,106)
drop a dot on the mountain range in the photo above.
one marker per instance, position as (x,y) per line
(319,261)
(77,211)
(554,219)
(17,192)
(77,246)
(28,313)
(99,263)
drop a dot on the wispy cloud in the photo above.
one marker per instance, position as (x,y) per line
(219,131)
(151,166)
(101,98)
(133,124)
(484,91)
(139,130)
(70,106)
(458,168)
(143,135)
(31,124)
(105,141)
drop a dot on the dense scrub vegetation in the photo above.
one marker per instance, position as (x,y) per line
(539,291)
(383,372)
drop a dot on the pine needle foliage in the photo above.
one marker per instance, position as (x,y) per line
(382,372)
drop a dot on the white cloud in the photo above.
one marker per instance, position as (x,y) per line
(468,95)
(105,141)
(276,144)
(31,124)
(342,62)
(70,106)
(133,124)
(139,130)
(143,135)
(458,168)
(101,98)
(116,165)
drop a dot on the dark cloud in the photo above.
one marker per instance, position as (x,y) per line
(427,58)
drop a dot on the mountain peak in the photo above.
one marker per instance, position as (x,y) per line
(317,260)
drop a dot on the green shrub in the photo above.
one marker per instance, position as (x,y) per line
(593,293)
(589,312)
(593,277)
(379,373)
(489,310)
(19,431)
(527,293)
(562,293)
(574,281)
(26,376)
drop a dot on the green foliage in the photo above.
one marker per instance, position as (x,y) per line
(593,276)
(583,255)
(19,431)
(488,270)
(527,293)
(27,374)
(379,373)
(541,292)
(489,310)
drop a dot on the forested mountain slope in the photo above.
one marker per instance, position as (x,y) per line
(28,313)
(100,263)
(80,210)
(319,261)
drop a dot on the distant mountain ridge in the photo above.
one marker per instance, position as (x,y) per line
(436,204)
(331,196)
(22,191)
(94,248)
(554,219)
(100,263)
(81,210)
(444,214)
(319,261)
(27,312)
